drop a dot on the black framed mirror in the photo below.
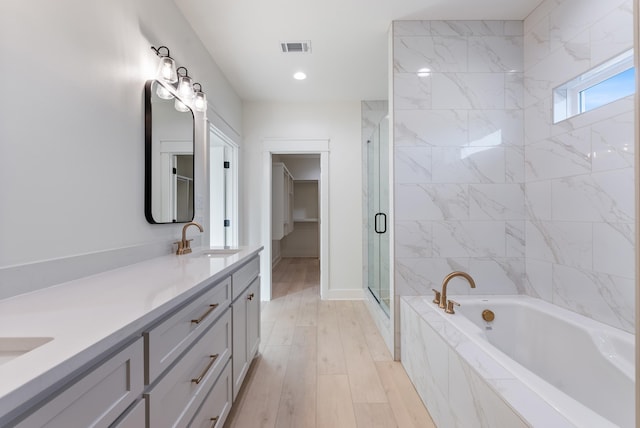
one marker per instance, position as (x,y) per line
(169,149)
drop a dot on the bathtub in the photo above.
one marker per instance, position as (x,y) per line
(546,365)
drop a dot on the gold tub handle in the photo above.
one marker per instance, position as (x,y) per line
(436,298)
(488,315)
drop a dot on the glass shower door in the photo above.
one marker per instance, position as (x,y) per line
(377,209)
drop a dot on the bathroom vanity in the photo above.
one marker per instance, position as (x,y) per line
(166,342)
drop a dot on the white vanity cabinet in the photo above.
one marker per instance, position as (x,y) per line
(98,397)
(175,399)
(174,367)
(246,320)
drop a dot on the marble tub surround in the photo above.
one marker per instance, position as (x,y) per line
(579,173)
(88,316)
(464,385)
(459,154)
(487,184)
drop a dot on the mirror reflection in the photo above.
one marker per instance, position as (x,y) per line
(169,145)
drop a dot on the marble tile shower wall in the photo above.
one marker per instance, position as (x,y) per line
(485,182)
(579,173)
(459,154)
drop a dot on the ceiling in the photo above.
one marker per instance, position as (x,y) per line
(349,41)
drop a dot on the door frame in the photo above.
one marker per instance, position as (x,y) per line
(278,146)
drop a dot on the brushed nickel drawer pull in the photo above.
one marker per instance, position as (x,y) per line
(211,308)
(250,296)
(206,369)
(214,421)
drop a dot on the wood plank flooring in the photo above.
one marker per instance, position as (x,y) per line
(322,364)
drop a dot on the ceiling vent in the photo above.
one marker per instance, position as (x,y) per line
(296,47)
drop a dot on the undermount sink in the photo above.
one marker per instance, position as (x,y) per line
(222,252)
(13,347)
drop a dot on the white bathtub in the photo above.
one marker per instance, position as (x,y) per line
(582,369)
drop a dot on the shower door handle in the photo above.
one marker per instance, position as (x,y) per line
(375,223)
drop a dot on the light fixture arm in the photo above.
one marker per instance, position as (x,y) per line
(157,51)
(184,70)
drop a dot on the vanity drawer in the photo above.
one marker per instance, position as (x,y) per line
(176,397)
(98,398)
(217,405)
(241,278)
(166,341)
(135,418)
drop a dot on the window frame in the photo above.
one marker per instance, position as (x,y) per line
(568,101)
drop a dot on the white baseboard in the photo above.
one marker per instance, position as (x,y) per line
(275,262)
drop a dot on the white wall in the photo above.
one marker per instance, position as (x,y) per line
(72,134)
(340,123)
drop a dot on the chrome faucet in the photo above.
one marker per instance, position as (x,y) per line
(184,246)
(443,295)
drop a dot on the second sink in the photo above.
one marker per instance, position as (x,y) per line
(13,347)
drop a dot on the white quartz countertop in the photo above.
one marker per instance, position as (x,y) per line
(89,316)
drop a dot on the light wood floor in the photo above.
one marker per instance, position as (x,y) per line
(322,364)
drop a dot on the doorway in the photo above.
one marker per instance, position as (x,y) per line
(320,150)
(223,190)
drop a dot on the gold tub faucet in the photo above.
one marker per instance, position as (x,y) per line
(184,246)
(443,293)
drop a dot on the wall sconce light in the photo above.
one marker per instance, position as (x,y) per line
(186,92)
(167,66)
(185,84)
(200,101)
(163,92)
(180,106)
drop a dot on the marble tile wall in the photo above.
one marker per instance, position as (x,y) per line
(485,182)
(579,173)
(459,154)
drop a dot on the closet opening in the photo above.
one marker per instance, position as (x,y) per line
(295,224)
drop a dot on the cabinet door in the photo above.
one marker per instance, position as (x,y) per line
(98,398)
(239,352)
(253,320)
(246,332)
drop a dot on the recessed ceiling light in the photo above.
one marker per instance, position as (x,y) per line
(300,75)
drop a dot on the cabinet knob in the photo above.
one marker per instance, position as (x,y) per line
(214,421)
(250,296)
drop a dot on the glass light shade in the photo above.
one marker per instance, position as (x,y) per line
(167,70)
(163,92)
(180,106)
(200,101)
(185,88)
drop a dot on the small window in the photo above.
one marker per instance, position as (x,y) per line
(611,81)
